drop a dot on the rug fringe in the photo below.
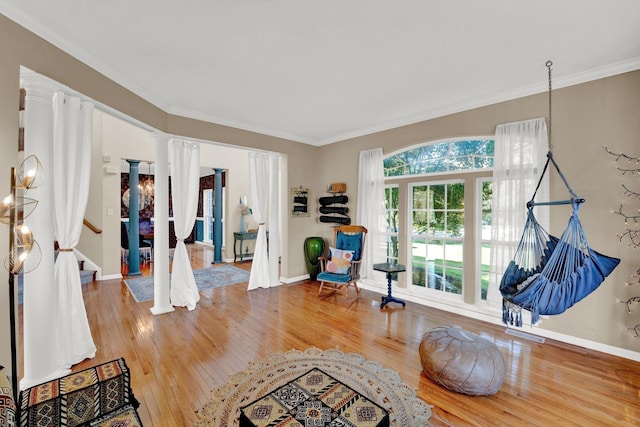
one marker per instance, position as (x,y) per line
(383,386)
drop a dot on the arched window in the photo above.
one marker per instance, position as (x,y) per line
(441,157)
(438,202)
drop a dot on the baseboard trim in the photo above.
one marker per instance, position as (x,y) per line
(288,280)
(495,317)
(109,277)
(526,336)
(161,310)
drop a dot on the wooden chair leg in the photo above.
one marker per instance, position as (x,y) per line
(355,285)
(320,290)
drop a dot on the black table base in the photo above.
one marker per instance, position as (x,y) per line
(386,299)
(389,268)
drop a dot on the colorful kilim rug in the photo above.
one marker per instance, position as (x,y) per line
(380,385)
(316,399)
(81,398)
(206,278)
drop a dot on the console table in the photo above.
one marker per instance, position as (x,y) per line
(389,268)
(239,237)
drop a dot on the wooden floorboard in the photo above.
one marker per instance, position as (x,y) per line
(177,358)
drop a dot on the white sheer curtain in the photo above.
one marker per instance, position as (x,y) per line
(274,220)
(263,178)
(72,140)
(184,157)
(519,157)
(371,208)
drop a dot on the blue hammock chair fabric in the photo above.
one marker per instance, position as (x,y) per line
(548,274)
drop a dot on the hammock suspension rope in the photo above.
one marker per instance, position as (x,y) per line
(547,274)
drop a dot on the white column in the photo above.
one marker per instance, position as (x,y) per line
(161,295)
(38,311)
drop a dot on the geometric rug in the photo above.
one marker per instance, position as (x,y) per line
(380,385)
(90,396)
(206,278)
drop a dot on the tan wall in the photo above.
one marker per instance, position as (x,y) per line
(91,244)
(585,118)
(9,96)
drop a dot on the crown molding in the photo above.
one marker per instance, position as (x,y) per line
(561,82)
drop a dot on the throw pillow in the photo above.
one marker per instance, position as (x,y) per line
(352,242)
(340,262)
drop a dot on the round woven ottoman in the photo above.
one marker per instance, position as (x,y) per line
(461,361)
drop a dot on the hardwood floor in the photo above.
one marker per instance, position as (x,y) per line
(177,358)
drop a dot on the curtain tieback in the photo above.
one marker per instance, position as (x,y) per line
(262,223)
(65,250)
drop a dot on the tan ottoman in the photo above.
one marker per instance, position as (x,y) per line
(461,361)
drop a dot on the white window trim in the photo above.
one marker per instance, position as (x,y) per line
(415,289)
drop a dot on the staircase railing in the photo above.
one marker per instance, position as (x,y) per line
(91,227)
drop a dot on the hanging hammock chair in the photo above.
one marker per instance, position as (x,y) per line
(548,275)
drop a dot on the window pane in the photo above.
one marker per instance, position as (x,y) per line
(391,204)
(486,148)
(433,166)
(485,251)
(420,197)
(420,222)
(461,163)
(435,262)
(455,196)
(392,197)
(485,237)
(455,224)
(452,268)
(441,157)
(486,209)
(392,248)
(437,196)
(436,225)
(392,221)
(418,255)
(483,162)
(437,258)
(435,151)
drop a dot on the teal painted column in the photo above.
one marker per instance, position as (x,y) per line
(217,217)
(134,219)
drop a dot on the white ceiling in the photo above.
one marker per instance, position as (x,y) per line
(322,71)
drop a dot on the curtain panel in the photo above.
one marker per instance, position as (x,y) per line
(520,154)
(371,209)
(184,157)
(72,140)
(274,221)
(265,196)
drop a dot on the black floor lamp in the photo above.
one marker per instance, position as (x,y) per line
(13,211)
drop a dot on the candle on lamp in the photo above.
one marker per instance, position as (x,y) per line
(28,178)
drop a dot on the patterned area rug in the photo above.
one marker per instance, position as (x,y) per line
(380,385)
(88,397)
(206,278)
